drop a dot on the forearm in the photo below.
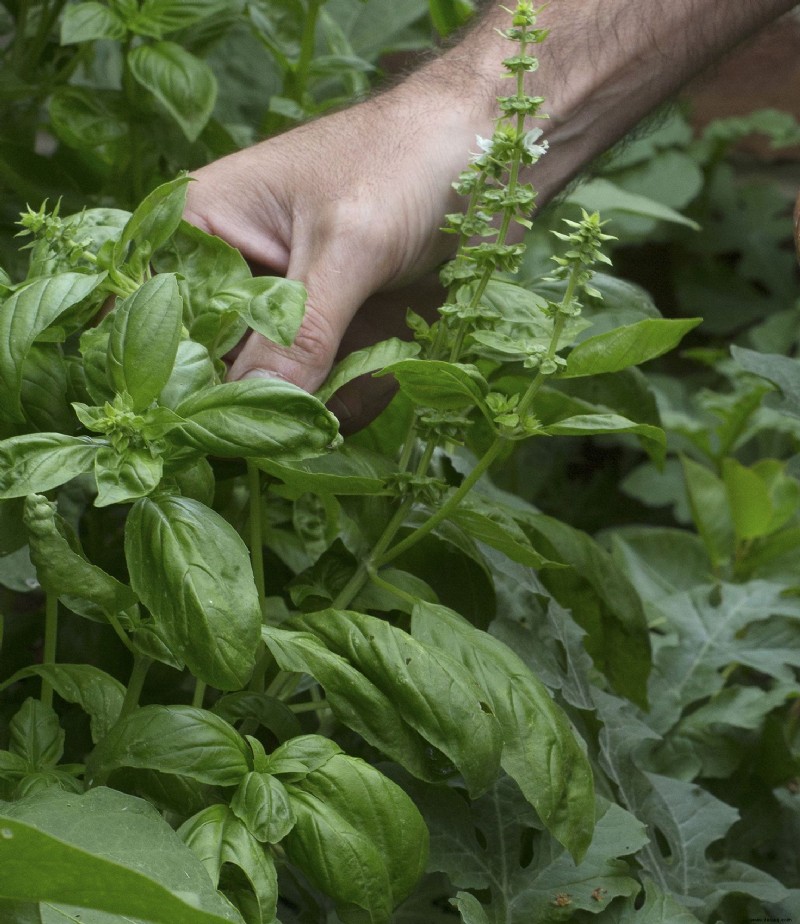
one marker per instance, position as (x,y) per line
(603,67)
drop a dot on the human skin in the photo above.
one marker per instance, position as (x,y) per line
(352,204)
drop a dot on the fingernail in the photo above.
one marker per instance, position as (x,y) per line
(263,374)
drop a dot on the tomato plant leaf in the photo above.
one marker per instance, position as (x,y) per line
(192,571)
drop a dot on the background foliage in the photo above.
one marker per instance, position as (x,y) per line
(646,585)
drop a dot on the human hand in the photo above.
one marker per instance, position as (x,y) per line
(350,205)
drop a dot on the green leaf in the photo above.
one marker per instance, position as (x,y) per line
(358,837)
(362,704)
(35,735)
(602,600)
(217,837)
(181,740)
(24,316)
(783,371)
(653,438)
(124,477)
(762,498)
(89,21)
(181,82)
(153,222)
(36,462)
(540,750)
(708,500)
(431,691)
(442,385)
(64,570)
(192,571)
(144,340)
(262,803)
(362,362)
(600,195)
(349,470)
(257,418)
(449,15)
(192,372)
(627,346)
(104,850)
(470,908)
(269,304)
(99,694)
(156,18)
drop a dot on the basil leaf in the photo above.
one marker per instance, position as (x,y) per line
(540,749)
(192,372)
(295,759)
(262,803)
(270,305)
(256,418)
(153,222)
(44,387)
(652,438)
(143,342)
(35,735)
(358,837)
(217,837)
(125,476)
(627,346)
(441,385)
(36,462)
(350,470)
(64,570)
(24,316)
(156,18)
(429,690)
(181,740)
(361,362)
(86,22)
(108,851)
(96,692)
(184,85)
(192,571)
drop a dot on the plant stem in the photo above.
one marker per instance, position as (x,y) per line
(199,693)
(257,536)
(50,643)
(141,665)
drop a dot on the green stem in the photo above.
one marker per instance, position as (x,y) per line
(199,693)
(257,535)
(50,643)
(313,706)
(141,665)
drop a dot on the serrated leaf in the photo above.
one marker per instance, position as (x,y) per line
(192,571)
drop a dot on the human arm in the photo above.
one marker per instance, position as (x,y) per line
(351,204)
